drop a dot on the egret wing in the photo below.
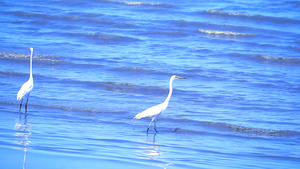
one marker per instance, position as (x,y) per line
(25,89)
(152,111)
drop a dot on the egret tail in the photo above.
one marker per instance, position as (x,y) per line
(138,116)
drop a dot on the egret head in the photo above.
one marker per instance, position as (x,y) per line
(30,49)
(177,77)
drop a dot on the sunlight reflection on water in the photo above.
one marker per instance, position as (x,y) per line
(152,151)
(22,134)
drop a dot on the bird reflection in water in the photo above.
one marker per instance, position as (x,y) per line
(151,151)
(22,133)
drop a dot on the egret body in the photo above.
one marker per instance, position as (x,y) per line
(27,86)
(156,110)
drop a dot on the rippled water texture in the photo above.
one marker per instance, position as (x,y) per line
(98,63)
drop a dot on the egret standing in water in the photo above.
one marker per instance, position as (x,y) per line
(27,86)
(156,110)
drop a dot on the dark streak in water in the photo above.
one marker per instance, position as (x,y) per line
(216,13)
(227,127)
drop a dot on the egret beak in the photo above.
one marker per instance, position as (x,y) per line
(178,77)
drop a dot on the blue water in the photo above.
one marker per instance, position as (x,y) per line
(97,63)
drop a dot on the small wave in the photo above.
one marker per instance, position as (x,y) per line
(131,88)
(12,74)
(275,58)
(223,126)
(131,69)
(85,110)
(294,3)
(251,130)
(104,39)
(287,61)
(66,108)
(215,33)
(140,3)
(249,16)
(184,23)
(194,70)
(40,58)
(161,33)
(119,87)
(45,16)
(138,70)
(211,11)
(43,19)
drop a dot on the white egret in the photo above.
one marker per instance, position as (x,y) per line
(156,110)
(27,86)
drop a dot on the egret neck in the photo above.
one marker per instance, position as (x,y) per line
(170,92)
(31,77)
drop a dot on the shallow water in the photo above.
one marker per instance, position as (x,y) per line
(96,64)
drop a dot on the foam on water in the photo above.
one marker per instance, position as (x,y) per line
(249,16)
(139,3)
(50,59)
(277,60)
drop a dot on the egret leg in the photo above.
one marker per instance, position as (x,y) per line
(26,103)
(21,105)
(150,124)
(155,124)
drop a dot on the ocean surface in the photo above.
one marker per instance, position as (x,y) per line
(97,63)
